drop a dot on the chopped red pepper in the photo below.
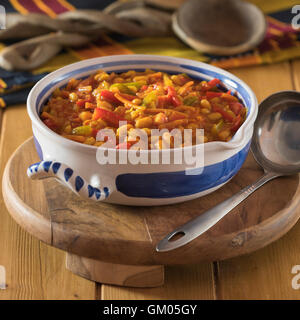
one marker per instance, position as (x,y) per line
(212,83)
(81,102)
(224,114)
(160,118)
(172,94)
(50,124)
(236,123)
(111,117)
(212,94)
(236,107)
(109,96)
(94,132)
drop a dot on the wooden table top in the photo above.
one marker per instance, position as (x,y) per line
(37,271)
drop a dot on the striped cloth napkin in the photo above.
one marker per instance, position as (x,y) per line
(282,42)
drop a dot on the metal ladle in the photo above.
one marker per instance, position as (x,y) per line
(275,146)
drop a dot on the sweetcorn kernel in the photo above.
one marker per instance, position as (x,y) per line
(224,134)
(137,101)
(204,111)
(143,122)
(101,124)
(215,116)
(98,124)
(85,115)
(205,104)
(101,76)
(90,140)
(73,97)
(160,118)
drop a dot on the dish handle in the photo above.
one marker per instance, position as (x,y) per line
(69,177)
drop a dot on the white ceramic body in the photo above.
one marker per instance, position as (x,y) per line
(141,184)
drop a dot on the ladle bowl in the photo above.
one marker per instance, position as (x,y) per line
(275,146)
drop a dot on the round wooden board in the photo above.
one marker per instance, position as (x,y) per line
(128,235)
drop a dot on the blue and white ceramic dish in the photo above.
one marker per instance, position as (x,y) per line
(76,166)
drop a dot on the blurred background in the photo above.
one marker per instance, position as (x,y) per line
(43,35)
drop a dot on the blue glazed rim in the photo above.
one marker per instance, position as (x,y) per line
(44,88)
(176,183)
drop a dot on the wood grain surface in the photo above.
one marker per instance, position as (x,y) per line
(128,235)
(35,269)
(117,274)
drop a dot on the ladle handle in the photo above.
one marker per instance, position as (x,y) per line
(195,227)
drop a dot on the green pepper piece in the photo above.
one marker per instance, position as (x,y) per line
(82,131)
(137,84)
(122,88)
(150,99)
(189,101)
